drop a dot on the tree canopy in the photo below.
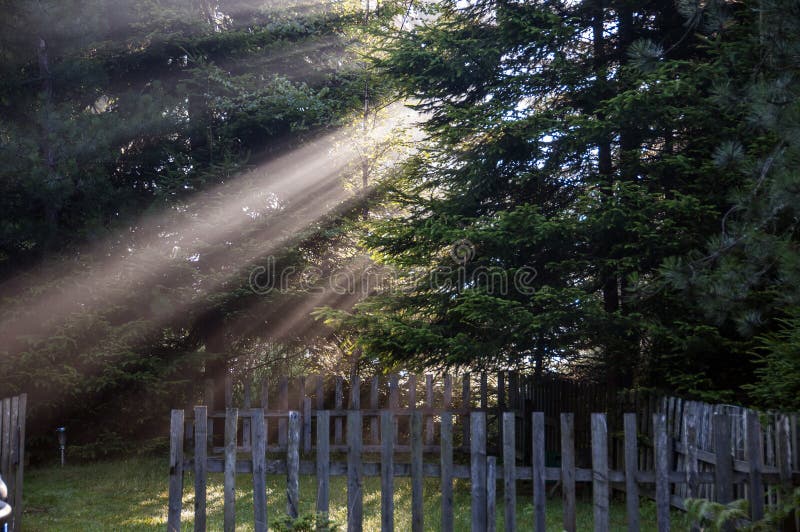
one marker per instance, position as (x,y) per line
(605,190)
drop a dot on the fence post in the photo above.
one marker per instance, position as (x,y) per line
(429,404)
(631,470)
(662,471)
(387,471)
(246,431)
(338,405)
(323,461)
(412,391)
(568,470)
(228,390)
(229,490)
(491,495)
(417,502)
(283,406)
(784,450)
(23,404)
(754,459)
(259,456)
(175,471)
(200,476)
(447,471)
(373,404)
(509,471)
(355,501)
(600,488)
(306,424)
(11,456)
(265,406)
(723,469)
(537,455)
(5,435)
(478,470)
(208,400)
(394,402)
(293,466)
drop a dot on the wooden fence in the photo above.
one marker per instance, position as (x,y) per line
(12,454)
(246,431)
(694,420)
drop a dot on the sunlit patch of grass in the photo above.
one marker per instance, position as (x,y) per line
(132,495)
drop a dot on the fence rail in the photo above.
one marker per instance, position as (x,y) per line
(663,478)
(12,455)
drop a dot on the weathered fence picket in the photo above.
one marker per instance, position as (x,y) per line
(568,471)
(478,470)
(259,443)
(175,470)
(229,488)
(200,475)
(12,458)
(387,471)
(323,462)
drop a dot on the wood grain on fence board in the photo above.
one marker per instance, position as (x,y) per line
(412,392)
(259,471)
(228,391)
(11,478)
(338,404)
(417,501)
(306,424)
(756,490)
(355,499)
(246,433)
(600,485)
(478,470)
(387,471)
(293,466)
(631,470)
(373,403)
(447,400)
(429,404)
(568,471)
(661,440)
(724,461)
(509,471)
(18,484)
(355,393)
(5,437)
(175,468)
(229,488)
(200,474)
(491,496)
(538,473)
(784,450)
(323,462)
(283,405)
(446,461)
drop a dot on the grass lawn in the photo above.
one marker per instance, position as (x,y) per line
(132,495)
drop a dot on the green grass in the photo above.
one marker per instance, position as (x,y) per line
(132,495)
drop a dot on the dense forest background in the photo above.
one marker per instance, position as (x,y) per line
(628,169)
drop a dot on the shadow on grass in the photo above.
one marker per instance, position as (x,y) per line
(132,495)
